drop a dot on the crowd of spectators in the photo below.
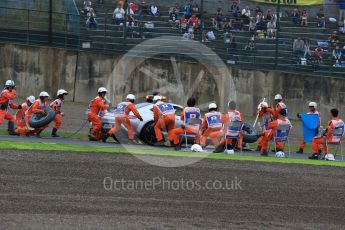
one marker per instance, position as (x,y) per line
(224,22)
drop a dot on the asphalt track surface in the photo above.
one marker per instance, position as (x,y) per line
(68,190)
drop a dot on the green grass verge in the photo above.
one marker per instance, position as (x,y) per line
(80,148)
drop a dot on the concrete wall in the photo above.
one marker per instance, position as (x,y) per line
(37,69)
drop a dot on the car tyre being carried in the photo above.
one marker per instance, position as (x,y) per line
(40,120)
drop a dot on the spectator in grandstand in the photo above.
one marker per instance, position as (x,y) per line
(183,22)
(298,48)
(188,35)
(271,29)
(246,11)
(234,9)
(196,10)
(194,22)
(333,40)
(260,23)
(246,15)
(304,18)
(118,15)
(252,27)
(230,42)
(307,50)
(238,22)
(320,16)
(91,20)
(217,19)
(154,10)
(257,11)
(318,54)
(144,7)
(130,17)
(336,56)
(227,25)
(295,15)
(341,18)
(209,36)
(269,16)
(173,17)
(250,46)
(187,11)
(87,6)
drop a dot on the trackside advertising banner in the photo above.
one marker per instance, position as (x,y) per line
(293,2)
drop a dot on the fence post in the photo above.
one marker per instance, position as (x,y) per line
(105,33)
(50,35)
(28,28)
(277,34)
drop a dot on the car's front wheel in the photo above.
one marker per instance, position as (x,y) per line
(147,134)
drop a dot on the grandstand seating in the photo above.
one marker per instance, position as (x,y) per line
(112,39)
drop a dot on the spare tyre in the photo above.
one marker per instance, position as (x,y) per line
(38,120)
(249,133)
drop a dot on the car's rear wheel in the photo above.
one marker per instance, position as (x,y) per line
(147,134)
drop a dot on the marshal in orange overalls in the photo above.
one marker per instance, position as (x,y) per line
(188,112)
(212,125)
(96,107)
(164,117)
(122,117)
(6,100)
(37,107)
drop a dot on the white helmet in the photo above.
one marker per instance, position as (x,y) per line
(196,148)
(9,83)
(263,105)
(230,152)
(31,99)
(44,94)
(212,106)
(280,154)
(329,157)
(130,97)
(156,98)
(102,90)
(61,92)
(278,97)
(312,104)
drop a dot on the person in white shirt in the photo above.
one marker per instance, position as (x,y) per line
(246,12)
(118,15)
(154,10)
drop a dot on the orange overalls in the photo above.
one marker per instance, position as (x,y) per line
(20,120)
(164,116)
(56,106)
(233,115)
(6,99)
(188,112)
(267,117)
(280,106)
(269,134)
(302,145)
(37,107)
(212,125)
(122,117)
(319,141)
(97,105)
